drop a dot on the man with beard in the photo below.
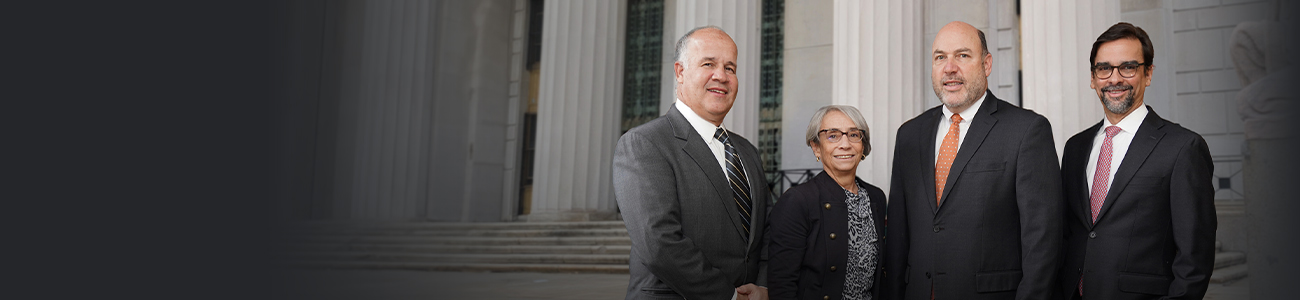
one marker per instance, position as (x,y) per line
(1140,217)
(975,195)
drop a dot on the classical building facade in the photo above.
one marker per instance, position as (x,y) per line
(508,110)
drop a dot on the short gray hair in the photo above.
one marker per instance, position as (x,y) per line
(686,38)
(815,125)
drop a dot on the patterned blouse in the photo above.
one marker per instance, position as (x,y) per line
(863,246)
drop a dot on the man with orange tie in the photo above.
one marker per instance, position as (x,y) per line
(1140,217)
(975,195)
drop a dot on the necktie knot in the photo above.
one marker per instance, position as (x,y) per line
(1111,131)
(956,118)
(721,135)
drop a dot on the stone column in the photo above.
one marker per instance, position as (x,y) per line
(878,66)
(1058,38)
(386,141)
(742,19)
(579,109)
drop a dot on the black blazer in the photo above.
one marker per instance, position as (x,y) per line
(997,234)
(804,262)
(1154,235)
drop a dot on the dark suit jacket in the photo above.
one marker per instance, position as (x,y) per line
(687,239)
(1154,236)
(997,233)
(800,250)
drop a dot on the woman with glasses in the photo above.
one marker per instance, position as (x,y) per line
(825,235)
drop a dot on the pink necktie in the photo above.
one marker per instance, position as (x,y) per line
(1101,180)
(1101,177)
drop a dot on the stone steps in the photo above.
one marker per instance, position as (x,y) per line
(459,240)
(490,258)
(576,247)
(398,226)
(499,249)
(1228,266)
(472,232)
(1228,274)
(462,267)
(1228,259)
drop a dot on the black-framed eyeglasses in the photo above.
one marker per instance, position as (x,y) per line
(834,135)
(1127,70)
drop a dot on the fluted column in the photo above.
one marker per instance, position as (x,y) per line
(742,19)
(390,145)
(578,110)
(1058,38)
(878,67)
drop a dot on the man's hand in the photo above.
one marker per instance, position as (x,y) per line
(751,292)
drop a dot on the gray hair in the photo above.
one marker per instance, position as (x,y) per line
(686,38)
(816,124)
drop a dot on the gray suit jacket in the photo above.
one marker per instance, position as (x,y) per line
(687,239)
(997,233)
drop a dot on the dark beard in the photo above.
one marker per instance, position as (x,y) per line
(1117,107)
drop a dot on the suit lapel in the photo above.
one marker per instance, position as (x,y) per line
(931,127)
(694,146)
(1145,140)
(1079,157)
(979,129)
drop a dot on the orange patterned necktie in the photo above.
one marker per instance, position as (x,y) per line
(947,152)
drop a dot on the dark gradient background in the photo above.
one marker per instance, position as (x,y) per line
(139,138)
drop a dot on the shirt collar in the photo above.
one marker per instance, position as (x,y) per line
(703,127)
(1130,122)
(970,111)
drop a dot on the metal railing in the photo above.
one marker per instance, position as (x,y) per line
(779,181)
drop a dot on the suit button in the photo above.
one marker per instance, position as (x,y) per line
(927,274)
(832,236)
(826,297)
(1092,235)
(936,229)
(827,205)
(832,268)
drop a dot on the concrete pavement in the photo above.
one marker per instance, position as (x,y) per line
(396,284)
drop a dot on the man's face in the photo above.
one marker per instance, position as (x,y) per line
(706,76)
(960,67)
(1120,94)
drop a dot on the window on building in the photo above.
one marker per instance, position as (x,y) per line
(769,101)
(641,64)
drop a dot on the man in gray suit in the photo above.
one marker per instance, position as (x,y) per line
(693,194)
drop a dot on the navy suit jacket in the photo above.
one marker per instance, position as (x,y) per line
(997,234)
(1154,235)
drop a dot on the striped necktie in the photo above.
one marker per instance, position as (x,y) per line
(739,182)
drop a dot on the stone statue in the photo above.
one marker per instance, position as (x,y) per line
(1258,51)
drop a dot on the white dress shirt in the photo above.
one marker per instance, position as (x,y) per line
(706,131)
(1128,128)
(966,117)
